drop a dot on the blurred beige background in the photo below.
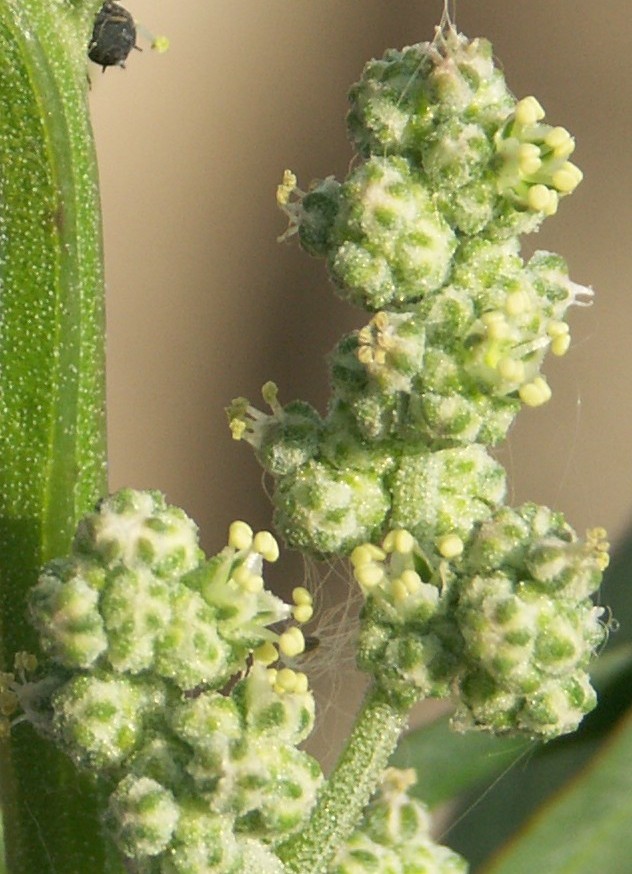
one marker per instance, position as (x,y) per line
(204,304)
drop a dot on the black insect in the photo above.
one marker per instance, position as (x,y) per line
(113,37)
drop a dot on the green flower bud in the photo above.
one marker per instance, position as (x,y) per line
(136,609)
(282,441)
(528,626)
(138,529)
(391,244)
(210,724)
(141,817)
(445,492)
(190,650)
(272,789)
(162,758)
(204,843)
(323,510)
(318,212)
(403,98)
(536,545)
(63,608)
(100,720)
(270,710)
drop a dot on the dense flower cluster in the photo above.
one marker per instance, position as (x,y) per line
(464,595)
(505,621)
(161,685)
(423,233)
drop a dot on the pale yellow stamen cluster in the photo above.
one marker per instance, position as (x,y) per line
(597,539)
(303,609)
(292,209)
(285,680)
(370,571)
(536,155)
(535,393)
(374,341)
(242,538)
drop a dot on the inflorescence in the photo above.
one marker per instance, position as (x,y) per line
(166,674)
(423,233)
(162,685)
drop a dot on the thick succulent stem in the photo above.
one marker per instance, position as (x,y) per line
(52,427)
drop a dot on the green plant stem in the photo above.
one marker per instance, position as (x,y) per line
(52,411)
(349,788)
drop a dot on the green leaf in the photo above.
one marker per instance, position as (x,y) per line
(449,764)
(586,827)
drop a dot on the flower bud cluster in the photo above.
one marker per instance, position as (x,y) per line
(504,619)
(423,234)
(394,836)
(160,684)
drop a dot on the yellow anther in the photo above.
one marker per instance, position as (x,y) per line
(529,160)
(366,553)
(301,684)
(603,560)
(535,393)
(411,580)
(380,320)
(379,356)
(398,540)
(266,654)
(364,354)
(302,613)
(160,44)
(265,544)
(542,199)
(237,428)
(292,642)
(567,178)
(511,370)
(556,328)
(270,394)
(240,535)
(399,590)
(285,681)
(271,675)
(560,344)
(369,575)
(560,142)
(528,111)
(285,189)
(301,595)
(450,546)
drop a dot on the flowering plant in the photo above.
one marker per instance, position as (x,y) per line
(161,687)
